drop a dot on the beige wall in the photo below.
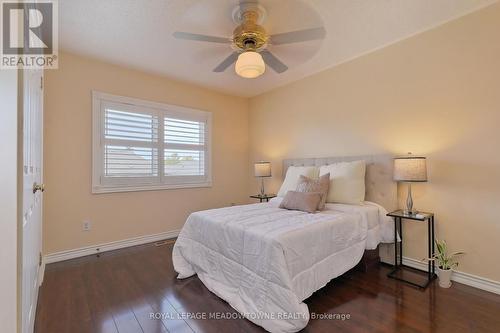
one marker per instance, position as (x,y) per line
(436,94)
(67,152)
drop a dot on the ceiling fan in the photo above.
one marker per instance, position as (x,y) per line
(250,41)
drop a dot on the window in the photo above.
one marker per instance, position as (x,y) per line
(141,145)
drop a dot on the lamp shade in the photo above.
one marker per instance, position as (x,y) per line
(250,65)
(262,169)
(410,169)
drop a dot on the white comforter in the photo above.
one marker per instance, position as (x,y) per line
(264,261)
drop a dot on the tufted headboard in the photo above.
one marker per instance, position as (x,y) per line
(380,187)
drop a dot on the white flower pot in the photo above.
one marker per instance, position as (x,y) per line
(444,277)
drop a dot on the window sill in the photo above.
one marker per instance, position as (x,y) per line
(116,189)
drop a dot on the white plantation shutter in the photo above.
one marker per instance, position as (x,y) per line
(126,161)
(185,147)
(140,145)
(130,140)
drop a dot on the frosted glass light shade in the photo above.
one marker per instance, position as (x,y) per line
(410,169)
(250,65)
(262,169)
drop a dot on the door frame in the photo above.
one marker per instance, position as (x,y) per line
(9,200)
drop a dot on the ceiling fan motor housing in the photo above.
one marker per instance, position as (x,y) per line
(249,35)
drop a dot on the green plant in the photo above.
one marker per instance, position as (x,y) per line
(442,258)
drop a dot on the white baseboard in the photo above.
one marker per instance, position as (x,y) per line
(460,277)
(41,272)
(93,249)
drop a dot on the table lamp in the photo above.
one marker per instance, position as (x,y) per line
(262,170)
(410,169)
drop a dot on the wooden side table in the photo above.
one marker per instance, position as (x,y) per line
(265,197)
(399,216)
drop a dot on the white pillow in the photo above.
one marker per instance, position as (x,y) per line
(292,178)
(347,182)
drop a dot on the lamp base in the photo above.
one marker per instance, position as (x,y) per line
(410,212)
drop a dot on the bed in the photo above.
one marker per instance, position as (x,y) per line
(265,261)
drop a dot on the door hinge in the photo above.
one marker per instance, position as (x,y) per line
(39,259)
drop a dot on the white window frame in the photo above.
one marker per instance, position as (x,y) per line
(100,184)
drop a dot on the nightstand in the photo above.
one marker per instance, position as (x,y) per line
(265,197)
(413,276)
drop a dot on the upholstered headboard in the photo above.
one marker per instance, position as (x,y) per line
(380,187)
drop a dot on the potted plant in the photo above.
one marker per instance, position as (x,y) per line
(445,263)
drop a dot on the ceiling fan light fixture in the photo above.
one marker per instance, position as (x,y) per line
(250,65)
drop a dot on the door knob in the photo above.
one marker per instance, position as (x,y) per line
(38,187)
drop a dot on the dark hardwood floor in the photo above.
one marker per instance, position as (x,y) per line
(117,292)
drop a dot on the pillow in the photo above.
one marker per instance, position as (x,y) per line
(347,182)
(292,178)
(319,185)
(303,201)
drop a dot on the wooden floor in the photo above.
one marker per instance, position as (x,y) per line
(118,291)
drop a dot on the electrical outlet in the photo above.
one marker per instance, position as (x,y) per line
(87,225)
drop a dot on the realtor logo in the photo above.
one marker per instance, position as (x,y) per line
(29,34)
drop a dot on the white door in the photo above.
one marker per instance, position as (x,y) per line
(32,194)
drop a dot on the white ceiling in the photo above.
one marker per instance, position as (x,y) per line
(138,34)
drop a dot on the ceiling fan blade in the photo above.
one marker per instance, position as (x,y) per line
(244,2)
(201,38)
(226,62)
(298,36)
(273,62)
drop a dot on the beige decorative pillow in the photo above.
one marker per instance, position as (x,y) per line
(292,177)
(303,201)
(347,182)
(319,185)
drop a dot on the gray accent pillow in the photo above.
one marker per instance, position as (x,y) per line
(320,185)
(303,201)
